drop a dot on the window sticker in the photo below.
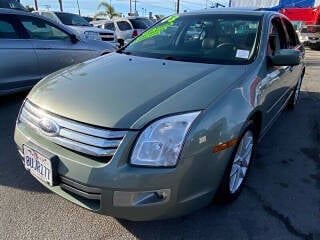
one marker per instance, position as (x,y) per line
(155,31)
(244,54)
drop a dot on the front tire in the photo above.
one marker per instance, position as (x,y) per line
(236,173)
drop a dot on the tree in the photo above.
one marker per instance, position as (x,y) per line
(108,11)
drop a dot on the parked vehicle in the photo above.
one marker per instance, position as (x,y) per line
(303,35)
(31,47)
(174,130)
(12,4)
(125,28)
(314,36)
(80,25)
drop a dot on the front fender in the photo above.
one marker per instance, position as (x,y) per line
(221,122)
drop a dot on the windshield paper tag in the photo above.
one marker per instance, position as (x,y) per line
(242,54)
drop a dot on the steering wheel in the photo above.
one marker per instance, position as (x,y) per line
(226,45)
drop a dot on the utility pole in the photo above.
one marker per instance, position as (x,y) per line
(178,6)
(60,3)
(78,7)
(135,6)
(36,4)
(130,6)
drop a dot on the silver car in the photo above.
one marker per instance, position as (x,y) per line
(32,47)
(79,24)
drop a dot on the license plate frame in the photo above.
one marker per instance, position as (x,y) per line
(39,164)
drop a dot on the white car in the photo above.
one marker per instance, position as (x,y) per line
(80,25)
(125,29)
(310,36)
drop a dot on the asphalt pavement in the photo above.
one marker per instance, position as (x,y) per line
(281,199)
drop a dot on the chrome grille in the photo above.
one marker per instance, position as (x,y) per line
(73,135)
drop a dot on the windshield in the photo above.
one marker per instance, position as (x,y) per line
(140,23)
(212,38)
(13,4)
(72,19)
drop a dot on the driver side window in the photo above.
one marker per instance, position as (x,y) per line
(39,29)
(277,37)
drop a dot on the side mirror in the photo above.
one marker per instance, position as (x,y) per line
(286,57)
(74,39)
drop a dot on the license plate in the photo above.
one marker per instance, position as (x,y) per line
(38,165)
(312,41)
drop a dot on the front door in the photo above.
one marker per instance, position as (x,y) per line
(53,46)
(19,64)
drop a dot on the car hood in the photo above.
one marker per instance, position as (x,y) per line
(121,91)
(82,29)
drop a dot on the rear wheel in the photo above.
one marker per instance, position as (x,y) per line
(239,165)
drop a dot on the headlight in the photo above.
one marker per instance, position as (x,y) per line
(92,35)
(161,142)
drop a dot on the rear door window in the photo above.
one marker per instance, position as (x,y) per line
(109,26)
(140,23)
(124,26)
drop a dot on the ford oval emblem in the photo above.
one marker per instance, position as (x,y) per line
(49,127)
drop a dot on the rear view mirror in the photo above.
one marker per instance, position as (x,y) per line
(286,57)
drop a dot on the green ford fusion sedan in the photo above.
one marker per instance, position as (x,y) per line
(169,122)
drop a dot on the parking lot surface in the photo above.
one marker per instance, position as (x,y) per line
(281,199)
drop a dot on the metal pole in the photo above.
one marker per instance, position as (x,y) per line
(60,3)
(135,5)
(78,7)
(230,3)
(130,6)
(36,4)
(178,6)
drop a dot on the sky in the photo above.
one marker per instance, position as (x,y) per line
(89,7)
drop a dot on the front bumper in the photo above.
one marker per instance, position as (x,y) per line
(118,189)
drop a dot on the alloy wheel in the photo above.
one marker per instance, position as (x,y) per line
(241,161)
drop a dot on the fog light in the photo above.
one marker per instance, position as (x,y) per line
(132,199)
